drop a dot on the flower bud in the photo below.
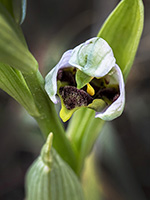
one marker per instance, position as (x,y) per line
(50,178)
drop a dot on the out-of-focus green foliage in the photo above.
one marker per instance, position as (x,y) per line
(90,180)
(17,9)
(115,161)
(13,48)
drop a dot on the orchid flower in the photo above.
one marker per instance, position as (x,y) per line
(87,76)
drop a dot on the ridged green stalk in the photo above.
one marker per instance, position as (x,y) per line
(48,119)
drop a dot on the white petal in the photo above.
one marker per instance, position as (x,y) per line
(99,59)
(116,108)
(51,78)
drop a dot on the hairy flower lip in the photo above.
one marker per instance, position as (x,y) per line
(106,64)
(83,99)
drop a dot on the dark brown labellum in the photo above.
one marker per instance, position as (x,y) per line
(73,97)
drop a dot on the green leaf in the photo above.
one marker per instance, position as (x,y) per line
(13,83)
(17,9)
(122,30)
(13,48)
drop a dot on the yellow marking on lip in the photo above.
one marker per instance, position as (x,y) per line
(90,90)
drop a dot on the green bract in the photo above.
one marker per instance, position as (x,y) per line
(88,76)
(122,30)
(50,178)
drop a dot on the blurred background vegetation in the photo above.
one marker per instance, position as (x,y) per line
(123,148)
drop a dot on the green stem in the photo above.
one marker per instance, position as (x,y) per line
(83,130)
(48,119)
